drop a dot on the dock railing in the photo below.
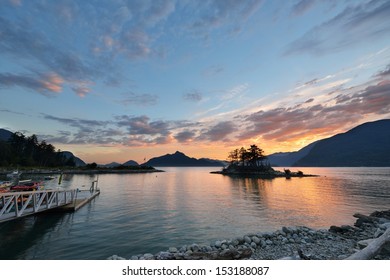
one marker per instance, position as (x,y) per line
(19,204)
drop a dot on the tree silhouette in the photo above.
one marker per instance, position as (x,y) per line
(251,158)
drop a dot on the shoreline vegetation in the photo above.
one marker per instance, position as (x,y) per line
(97,170)
(368,238)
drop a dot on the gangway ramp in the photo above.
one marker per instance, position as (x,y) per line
(14,205)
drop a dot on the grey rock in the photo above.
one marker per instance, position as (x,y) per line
(286,230)
(173,250)
(269,242)
(208,248)
(165,256)
(115,257)
(384,226)
(218,244)
(256,240)
(253,245)
(148,256)
(183,249)
(247,239)
(235,242)
(195,248)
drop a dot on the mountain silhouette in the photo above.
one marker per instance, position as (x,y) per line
(365,145)
(180,159)
(5,134)
(77,161)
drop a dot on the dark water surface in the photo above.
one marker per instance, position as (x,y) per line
(147,213)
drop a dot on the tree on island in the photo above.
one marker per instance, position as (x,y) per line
(252,158)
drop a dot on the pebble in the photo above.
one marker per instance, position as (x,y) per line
(268,242)
(256,240)
(173,250)
(247,239)
(148,256)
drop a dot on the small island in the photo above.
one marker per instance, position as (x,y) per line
(253,162)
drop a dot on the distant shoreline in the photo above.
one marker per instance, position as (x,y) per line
(92,171)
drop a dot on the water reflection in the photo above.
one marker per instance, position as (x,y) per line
(18,235)
(140,213)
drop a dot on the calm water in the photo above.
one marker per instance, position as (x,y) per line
(142,213)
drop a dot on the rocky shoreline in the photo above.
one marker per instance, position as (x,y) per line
(261,173)
(335,243)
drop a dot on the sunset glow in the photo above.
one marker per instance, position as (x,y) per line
(131,80)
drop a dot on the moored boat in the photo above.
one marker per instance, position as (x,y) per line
(29,186)
(14,174)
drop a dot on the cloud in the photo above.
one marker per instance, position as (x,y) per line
(293,123)
(81,91)
(219,131)
(135,43)
(302,7)
(185,136)
(142,131)
(132,98)
(194,96)
(13,112)
(46,84)
(87,132)
(364,20)
(214,14)
(82,124)
(213,71)
(142,125)
(384,73)
(23,42)
(235,92)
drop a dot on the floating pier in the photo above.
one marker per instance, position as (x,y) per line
(77,204)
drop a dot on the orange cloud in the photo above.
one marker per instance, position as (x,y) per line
(52,82)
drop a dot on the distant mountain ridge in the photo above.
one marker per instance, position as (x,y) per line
(180,159)
(365,145)
(289,158)
(77,161)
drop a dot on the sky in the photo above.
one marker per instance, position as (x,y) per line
(119,80)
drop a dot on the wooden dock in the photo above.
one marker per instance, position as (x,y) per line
(77,204)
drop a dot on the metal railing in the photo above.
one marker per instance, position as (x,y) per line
(19,204)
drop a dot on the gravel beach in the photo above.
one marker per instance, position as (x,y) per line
(335,243)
